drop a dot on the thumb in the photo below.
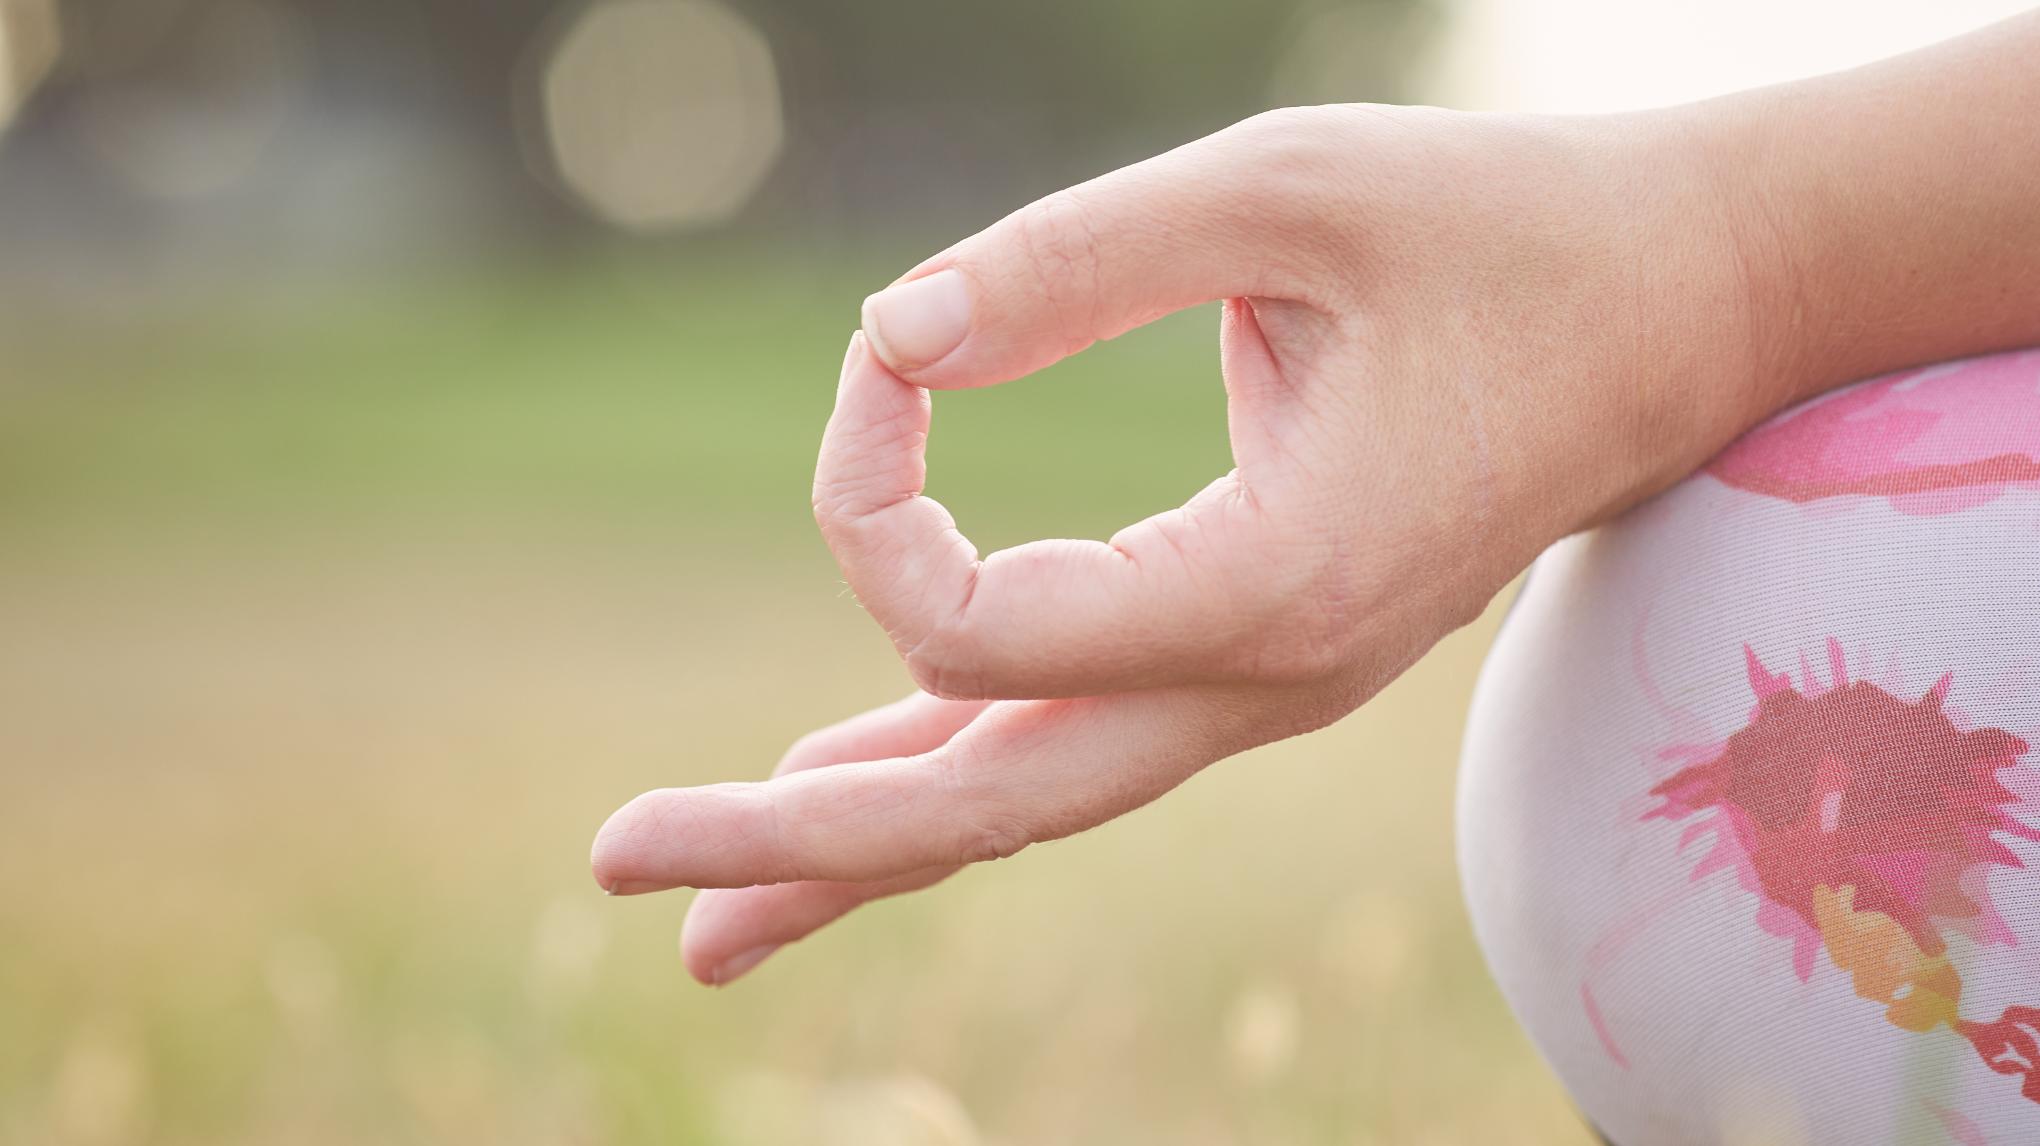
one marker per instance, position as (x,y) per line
(1094,261)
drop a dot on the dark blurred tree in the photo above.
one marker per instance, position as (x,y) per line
(898,111)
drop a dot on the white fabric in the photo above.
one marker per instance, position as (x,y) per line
(1874,540)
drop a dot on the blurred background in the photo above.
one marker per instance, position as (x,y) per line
(406,415)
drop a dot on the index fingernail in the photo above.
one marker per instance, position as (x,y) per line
(914,323)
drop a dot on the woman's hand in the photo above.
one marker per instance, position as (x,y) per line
(1448,340)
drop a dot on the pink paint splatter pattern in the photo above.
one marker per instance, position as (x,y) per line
(1863,824)
(1930,441)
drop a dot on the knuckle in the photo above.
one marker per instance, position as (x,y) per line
(1287,171)
(1297,658)
(839,510)
(1309,710)
(927,673)
(1057,242)
(1279,124)
(986,839)
(985,829)
(926,670)
(1314,641)
(835,509)
(784,862)
(1288,144)
(782,871)
(949,661)
(862,472)
(939,674)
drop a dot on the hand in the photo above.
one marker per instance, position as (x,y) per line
(1448,340)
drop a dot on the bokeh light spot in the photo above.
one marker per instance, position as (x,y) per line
(1263,1028)
(193,115)
(661,114)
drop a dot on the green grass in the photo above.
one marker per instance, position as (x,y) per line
(337,620)
(674,397)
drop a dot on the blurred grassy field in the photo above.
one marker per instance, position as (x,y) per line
(336,621)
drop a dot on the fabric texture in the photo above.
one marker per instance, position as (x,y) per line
(1749,799)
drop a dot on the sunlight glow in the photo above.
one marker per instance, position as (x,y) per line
(1618,55)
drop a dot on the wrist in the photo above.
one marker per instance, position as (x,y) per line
(1740,205)
(1769,223)
(1710,356)
(1884,217)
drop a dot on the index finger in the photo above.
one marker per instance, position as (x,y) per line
(1166,601)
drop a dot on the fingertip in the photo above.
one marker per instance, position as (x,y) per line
(867,335)
(698,950)
(616,857)
(851,353)
(602,858)
(873,449)
(739,965)
(620,888)
(727,933)
(918,322)
(869,378)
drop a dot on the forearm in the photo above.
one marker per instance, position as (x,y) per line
(1888,216)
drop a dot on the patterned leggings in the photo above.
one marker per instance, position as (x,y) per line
(1750,796)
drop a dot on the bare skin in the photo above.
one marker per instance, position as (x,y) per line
(1448,340)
